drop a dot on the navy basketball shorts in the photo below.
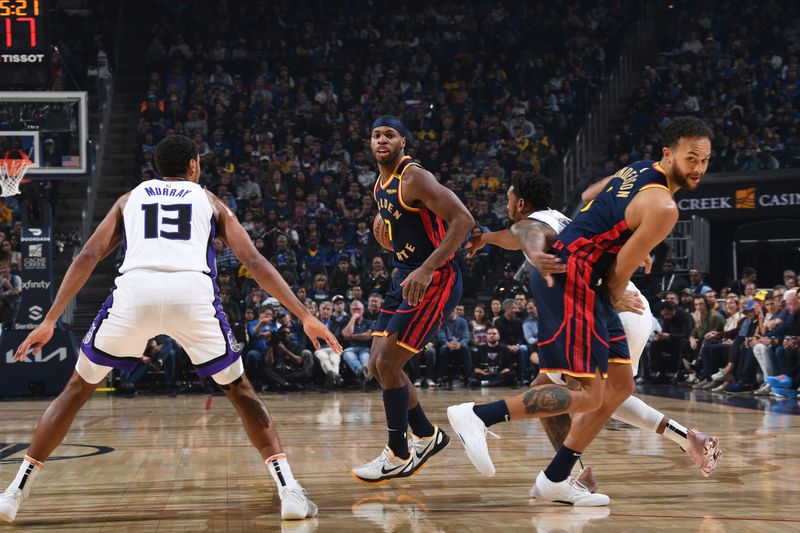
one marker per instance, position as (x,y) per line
(418,325)
(580,333)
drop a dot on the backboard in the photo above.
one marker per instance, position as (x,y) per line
(51,127)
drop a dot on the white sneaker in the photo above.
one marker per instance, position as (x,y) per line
(569,491)
(719,375)
(472,432)
(422,448)
(384,467)
(417,383)
(763,390)
(431,384)
(295,505)
(10,501)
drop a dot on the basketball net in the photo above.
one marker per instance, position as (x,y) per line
(12,170)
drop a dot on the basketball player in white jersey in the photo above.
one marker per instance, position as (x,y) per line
(534,224)
(167,285)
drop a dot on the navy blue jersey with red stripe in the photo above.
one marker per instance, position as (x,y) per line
(415,232)
(598,232)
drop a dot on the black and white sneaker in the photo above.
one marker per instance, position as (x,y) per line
(424,447)
(384,467)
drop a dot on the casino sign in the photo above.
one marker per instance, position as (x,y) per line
(755,195)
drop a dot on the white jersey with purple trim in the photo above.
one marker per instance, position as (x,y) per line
(167,227)
(637,327)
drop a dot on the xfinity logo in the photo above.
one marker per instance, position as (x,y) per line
(41,357)
(35,312)
(22,58)
(35,285)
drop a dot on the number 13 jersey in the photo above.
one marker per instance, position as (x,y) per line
(168,227)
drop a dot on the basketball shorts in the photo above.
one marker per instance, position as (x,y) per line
(146,303)
(418,325)
(580,333)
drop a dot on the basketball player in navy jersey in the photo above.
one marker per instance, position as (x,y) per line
(608,240)
(167,285)
(426,224)
(529,199)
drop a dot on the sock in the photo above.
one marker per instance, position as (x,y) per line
(677,434)
(395,403)
(635,412)
(562,464)
(492,413)
(281,471)
(26,474)
(419,423)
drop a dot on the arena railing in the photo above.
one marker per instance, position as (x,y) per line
(576,160)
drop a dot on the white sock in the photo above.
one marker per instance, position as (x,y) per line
(635,412)
(26,474)
(677,434)
(281,471)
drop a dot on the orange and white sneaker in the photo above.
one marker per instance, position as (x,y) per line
(384,467)
(422,448)
(704,450)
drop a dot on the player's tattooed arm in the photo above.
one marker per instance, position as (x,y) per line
(535,238)
(503,239)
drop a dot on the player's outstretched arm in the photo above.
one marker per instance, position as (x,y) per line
(593,190)
(503,238)
(653,214)
(265,274)
(420,188)
(103,241)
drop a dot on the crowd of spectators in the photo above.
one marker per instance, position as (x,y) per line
(738,340)
(733,64)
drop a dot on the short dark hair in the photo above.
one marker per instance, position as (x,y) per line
(173,155)
(536,189)
(687,126)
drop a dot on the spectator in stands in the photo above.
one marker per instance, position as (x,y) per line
(509,287)
(496,307)
(374,304)
(668,281)
(696,283)
(260,333)
(10,287)
(666,350)
(510,329)
(706,324)
(530,331)
(715,346)
(494,365)
(453,340)
(319,292)
(291,366)
(477,328)
(749,276)
(377,280)
(414,367)
(357,332)
(328,359)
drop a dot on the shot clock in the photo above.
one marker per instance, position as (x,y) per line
(24,41)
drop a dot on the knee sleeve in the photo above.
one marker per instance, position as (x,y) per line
(89,371)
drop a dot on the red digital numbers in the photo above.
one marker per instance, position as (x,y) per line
(16,13)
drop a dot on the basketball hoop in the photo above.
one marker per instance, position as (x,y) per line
(12,170)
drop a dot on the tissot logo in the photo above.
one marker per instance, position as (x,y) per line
(12,452)
(21,58)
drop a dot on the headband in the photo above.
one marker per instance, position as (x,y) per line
(391,122)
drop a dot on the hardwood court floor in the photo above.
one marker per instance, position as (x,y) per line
(176,466)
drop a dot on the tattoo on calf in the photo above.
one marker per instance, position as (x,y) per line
(557,428)
(546,399)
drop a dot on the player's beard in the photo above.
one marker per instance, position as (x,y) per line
(687,182)
(388,159)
